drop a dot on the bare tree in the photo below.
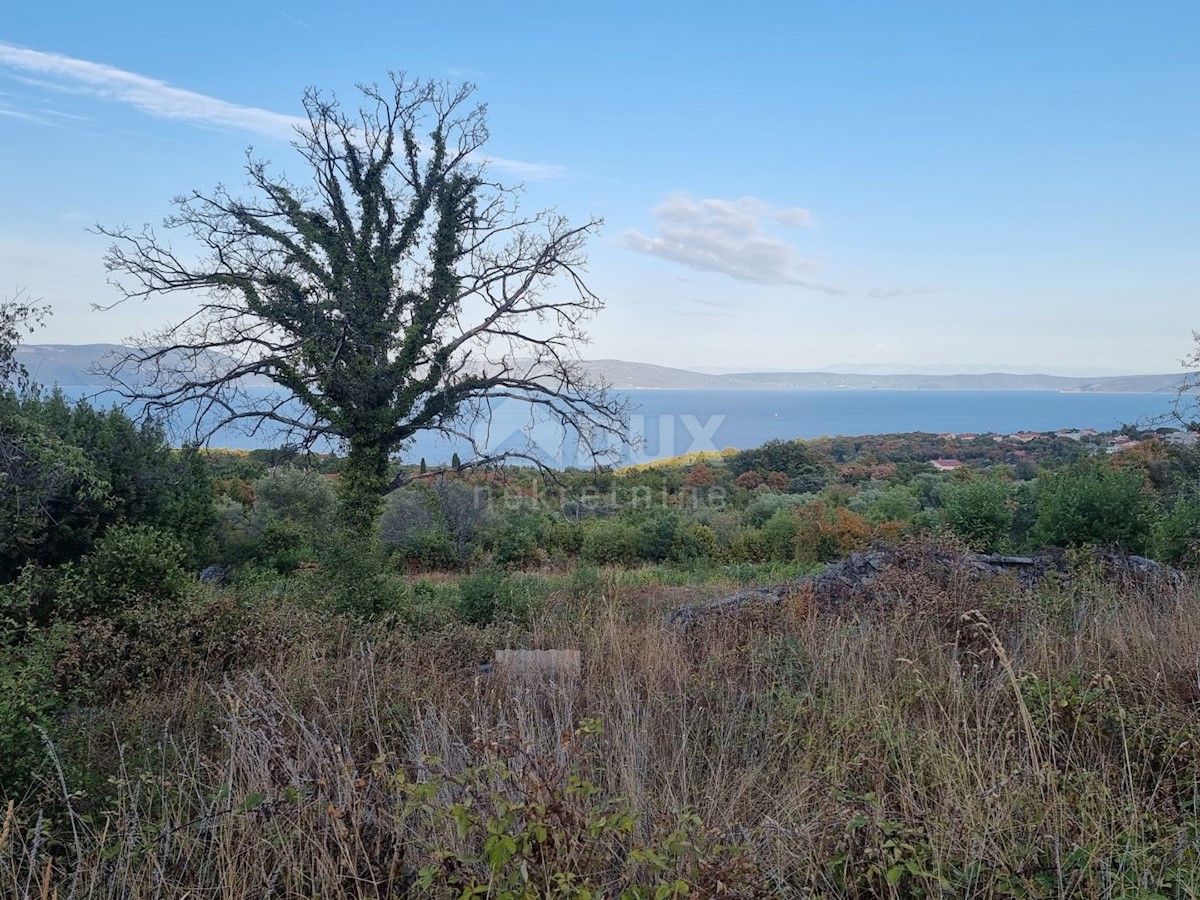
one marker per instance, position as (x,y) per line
(397,291)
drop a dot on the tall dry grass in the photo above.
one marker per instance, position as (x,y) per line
(959,741)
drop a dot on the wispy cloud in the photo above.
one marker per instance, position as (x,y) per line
(21,114)
(59,114)
(893,293)
(529,170)
(150,95)
(157,98)
(730,237)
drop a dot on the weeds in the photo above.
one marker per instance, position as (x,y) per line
(947,743)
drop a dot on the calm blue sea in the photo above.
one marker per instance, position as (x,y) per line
(673,422)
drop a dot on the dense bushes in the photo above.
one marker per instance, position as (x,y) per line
(69,472)
(803,469)
(1092,502)
(981,512)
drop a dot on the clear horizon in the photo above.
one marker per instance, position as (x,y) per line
(923,182)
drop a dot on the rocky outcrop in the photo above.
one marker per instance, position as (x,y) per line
(868,579)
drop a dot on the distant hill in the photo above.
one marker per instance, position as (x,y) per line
(67,365)
(634,376)
(71,365)
(74,365)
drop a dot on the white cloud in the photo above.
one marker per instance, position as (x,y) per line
(793,217)
(151,96)
(19,114)
(728,236)
(532,171)
(164,101)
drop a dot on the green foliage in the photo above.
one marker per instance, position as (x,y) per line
(491,596)
(28,702)
(779,536)
(71,472)
(891,503)
(1175,537)
(355,575)
(1092,502)
(612,542)
(658,528)
(291,518)
(693,542)
(980,512)
(761,508)
(299,495)
(519,540)
(131,562)
(45,481)
(807,470)
(411,526)
(518,825)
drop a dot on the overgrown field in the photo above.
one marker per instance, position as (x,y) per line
(212,686)
(966,740)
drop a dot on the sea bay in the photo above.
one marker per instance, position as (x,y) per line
(670,422)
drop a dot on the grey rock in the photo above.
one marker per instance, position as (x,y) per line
(215,574)
(846,585)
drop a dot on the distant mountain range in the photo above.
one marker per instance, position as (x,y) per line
(642,376)
(71,365)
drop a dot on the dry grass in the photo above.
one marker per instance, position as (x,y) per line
(1047,749)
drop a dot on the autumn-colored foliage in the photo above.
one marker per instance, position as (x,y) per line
(853,473)
(748,480)
(237,489)
(777,481)
(699,476)
(826,532)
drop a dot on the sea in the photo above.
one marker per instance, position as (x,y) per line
(668,423)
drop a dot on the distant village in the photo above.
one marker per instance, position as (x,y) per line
(1100,442)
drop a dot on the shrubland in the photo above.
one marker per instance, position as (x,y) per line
(315,717)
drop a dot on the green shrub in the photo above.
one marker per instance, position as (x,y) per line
(1092,502)
(407,515)
(355,575)
(748,546)
(284,544)
(779,535)
(487,597)
(518,542)
(657,529)
(429,605)
(299,495)
(430,551)
(693,542)
(521,824)
(235,542)
(1175,538)
(890,503)
(980,512)
(762,508)
(131,562)
(28,701)
(612,541)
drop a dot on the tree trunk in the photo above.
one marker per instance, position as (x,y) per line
(363,484)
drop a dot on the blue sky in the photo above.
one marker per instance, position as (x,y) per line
(784,186)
